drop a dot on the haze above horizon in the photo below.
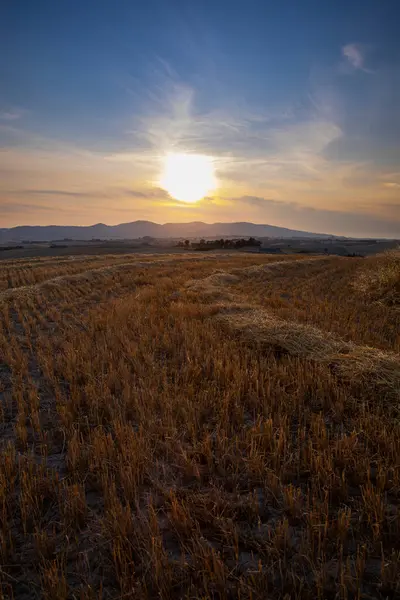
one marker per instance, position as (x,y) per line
(285,114)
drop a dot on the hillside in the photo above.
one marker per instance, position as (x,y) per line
(138,229)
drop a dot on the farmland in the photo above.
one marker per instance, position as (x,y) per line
(200,426)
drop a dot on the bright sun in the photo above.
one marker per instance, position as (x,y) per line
(188,177)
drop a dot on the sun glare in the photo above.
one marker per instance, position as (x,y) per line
(188,177)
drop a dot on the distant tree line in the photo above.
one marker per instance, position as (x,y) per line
(11,248)
(221,243)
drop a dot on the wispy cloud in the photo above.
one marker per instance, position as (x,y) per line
(256,201)
(21,207)
(73,194)
(246,145)
(154,192)
(391,185)
(355,55)
(12,114)
(322,220)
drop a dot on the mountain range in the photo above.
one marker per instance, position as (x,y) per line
(139,229)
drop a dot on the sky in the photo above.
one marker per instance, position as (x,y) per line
(295,103)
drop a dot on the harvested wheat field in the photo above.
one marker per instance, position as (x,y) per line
(200,426)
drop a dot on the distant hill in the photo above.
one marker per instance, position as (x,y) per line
(138,229)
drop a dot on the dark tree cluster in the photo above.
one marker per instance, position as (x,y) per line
(221,243)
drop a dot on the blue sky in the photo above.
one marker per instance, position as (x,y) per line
(297,103)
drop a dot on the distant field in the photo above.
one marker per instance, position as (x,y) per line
(66,248)
(200,426)
(82,249)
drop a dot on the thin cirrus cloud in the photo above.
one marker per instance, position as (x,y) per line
(392,184)
(17,207)
(154,192)
(327,220)
(355,56)
(12,114)
(54,192)
(245,144)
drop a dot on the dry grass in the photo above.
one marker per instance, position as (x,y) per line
(354,362)
(380,280)
(200,427)
(326,293)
